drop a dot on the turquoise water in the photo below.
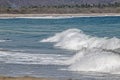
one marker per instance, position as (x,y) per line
(53,47)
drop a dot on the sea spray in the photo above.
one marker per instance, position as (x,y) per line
(95,60)
(94,53)
(75,39)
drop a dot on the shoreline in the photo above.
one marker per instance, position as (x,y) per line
(24,78)
(57,15)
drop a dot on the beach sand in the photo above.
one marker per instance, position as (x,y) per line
(24,78)
(57,15)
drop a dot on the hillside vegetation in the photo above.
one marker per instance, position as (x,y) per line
(59,6)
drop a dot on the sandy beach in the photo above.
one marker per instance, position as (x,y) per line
(23,78)
(57,15)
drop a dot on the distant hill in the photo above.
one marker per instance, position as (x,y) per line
(20,3)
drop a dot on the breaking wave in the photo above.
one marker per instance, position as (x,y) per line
(75,39)
(93,53)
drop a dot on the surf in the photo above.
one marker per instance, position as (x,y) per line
(75,39)
(98,54)
(16,57)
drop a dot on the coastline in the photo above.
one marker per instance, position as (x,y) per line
(57,15)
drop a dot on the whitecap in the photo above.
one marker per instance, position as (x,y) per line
(75,39)
(99,54)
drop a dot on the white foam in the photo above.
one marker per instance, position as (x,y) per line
(48,17)
(95,60)
(6,17)
(93,53)
(4,40)
(42,17)
(75,39)
(28,58)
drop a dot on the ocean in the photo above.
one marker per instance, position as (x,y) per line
(86,48)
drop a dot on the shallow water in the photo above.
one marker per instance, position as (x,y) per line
(83,47)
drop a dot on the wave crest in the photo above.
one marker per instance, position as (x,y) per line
(94,53)
(95,60)
(75,39)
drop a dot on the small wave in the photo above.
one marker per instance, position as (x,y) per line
(93,53)
(43,17)
(48,17)
(4,40)
(6,17)
(28,58)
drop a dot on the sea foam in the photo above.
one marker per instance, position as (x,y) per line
(75,39)
(15,57)
(4,40)
(93,53)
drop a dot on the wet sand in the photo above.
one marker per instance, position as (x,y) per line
(24,78)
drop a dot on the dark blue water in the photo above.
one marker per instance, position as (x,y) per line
(22,53)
